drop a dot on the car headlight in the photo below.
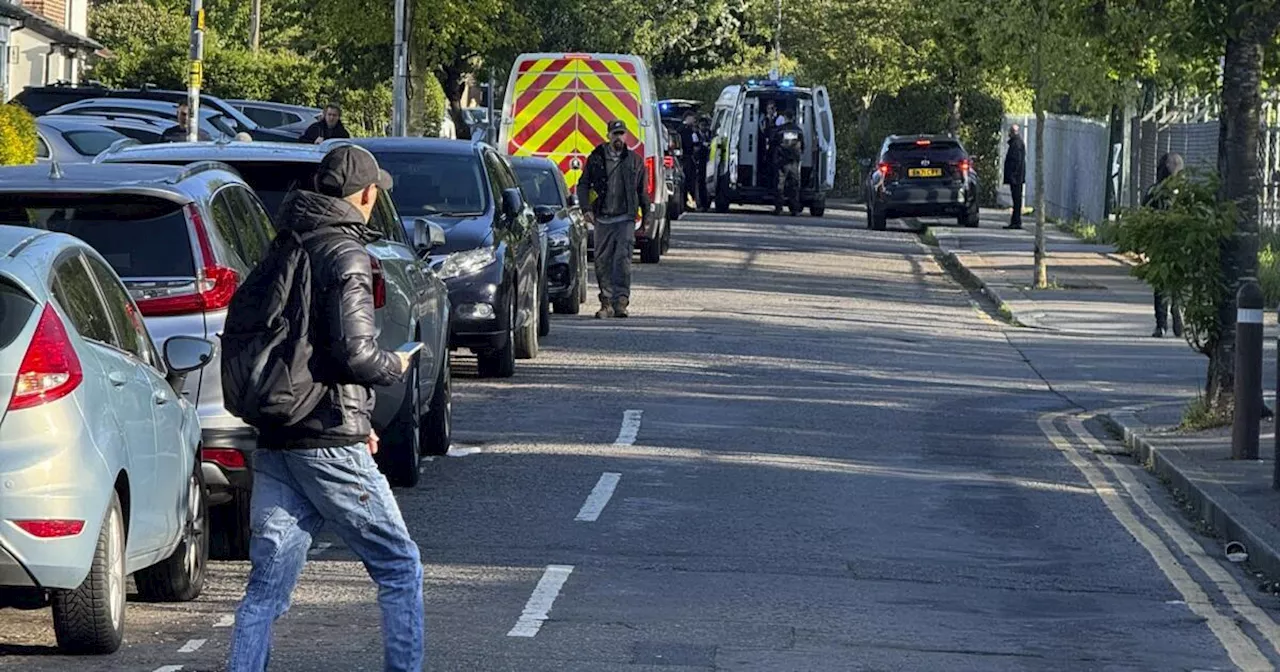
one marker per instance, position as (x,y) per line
(558,242)
(466,262)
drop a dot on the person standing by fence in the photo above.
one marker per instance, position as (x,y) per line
(1015,174)
(1158,197)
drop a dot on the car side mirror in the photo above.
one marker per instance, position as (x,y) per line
(544,213)
(512,203)
(427,235)
(184,354)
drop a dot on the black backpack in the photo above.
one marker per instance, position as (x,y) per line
(266,345)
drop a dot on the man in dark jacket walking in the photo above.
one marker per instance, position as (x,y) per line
(615,176)
(1015,174)
(321,470)
(692,142)
(328,127)
(1169,165)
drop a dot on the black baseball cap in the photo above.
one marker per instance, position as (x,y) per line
(617,126)
(347,169)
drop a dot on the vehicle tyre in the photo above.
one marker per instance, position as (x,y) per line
(969,220)
(229,528)
(527,336)
(569,305)
(544,309)
(90,618)
(722,195)
(818,208)
(437,431)
(666,238)
(180,577)
(399,455)
(501,363)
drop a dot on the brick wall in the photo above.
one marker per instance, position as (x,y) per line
(54,10)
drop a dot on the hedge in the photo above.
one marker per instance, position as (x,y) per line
(17,136)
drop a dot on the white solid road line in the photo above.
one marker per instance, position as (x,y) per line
(1242,651)
(1217,574)
(320,547)
(539,604)
(225,621)
(463,451)
(599,497)
(630,428)
(168,668)
(192,645)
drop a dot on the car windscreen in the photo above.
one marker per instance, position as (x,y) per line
(938,152)
(539,185)
(436,184)
(92,142)
(140,237)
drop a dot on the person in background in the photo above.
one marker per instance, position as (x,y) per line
(328,127)
(1169,165)
(700,163)
(615,176)
(1015,174)
(788,146)
(691,143)
(243,137)
(178,133)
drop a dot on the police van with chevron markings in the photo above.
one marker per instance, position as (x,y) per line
(558,107)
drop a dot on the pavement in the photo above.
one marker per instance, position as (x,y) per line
(805,451)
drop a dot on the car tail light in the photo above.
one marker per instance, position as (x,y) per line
(49,529)
(923,142)
(650,169)
(51,369)
(214,284)
(379,283)
(886,169)
(223,457)
(964,165)
(669,162)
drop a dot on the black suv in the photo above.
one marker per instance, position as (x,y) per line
(491,259)
(922,176)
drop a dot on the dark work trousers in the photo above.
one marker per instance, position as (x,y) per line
(1015,191)
(1164,306)
(700,178)
(692,185)
(614,243)
(787,189)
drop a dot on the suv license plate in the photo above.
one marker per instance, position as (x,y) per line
(924,172)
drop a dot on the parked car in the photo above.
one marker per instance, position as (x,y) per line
(566,231)
(212,122)
(490,258)
(146,130)
(72,140)
(413,417)
(279,116)
(677,192)
(101,467)
(41,100)
(921,176)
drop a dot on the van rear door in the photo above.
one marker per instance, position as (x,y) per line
(824,127)
(542,113)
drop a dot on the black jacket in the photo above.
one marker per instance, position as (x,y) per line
(1015,161)
(1169,165)
(322,131)
(177,133)
(347,359)
(596,178)
(783,153)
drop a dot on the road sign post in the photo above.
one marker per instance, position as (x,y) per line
(1248,387)
(196,74)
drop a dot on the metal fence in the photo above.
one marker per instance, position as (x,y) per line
(1076,166)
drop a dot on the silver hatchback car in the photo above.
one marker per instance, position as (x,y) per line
(98,449)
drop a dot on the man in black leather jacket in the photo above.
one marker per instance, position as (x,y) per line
(321,469)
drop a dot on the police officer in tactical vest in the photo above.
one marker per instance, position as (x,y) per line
(787,147)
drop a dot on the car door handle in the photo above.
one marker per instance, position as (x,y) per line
(117,379)
(161,397)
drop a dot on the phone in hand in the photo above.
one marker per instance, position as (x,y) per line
(411,348)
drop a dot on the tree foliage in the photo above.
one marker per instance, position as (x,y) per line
(17,136)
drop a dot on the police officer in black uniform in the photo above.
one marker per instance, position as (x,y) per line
(787,146)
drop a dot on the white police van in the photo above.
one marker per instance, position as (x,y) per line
(738,170)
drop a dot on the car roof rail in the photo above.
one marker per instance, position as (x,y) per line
(196,167)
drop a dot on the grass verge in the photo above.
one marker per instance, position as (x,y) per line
(1198,416)
(1103,233)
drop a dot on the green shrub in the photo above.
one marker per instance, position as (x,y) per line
(1181,248)
(366,112)
(17,136)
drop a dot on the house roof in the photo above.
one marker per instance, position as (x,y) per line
(43,26)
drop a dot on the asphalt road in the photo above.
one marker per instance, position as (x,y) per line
(805,451)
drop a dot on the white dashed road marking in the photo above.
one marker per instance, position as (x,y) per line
(599,497)
(168,668)
(225,621)
(630,428)
(538,607)
(463,451)
(192,645)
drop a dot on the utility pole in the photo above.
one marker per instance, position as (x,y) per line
(399,86)
(255,25)
(197,70)
(777,46)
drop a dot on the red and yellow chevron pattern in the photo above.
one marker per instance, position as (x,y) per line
(562,107)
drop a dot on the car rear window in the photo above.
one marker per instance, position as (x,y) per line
(140,237)
(539,185)
(435,184)
(273,181)
(934,151)
(92,143)
(15,310)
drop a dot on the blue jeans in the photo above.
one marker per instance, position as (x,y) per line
(295,492)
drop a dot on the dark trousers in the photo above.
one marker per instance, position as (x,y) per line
(613,246)
(692,185)
(1164,306)
(700,177)
(787,188)
(1015,191)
